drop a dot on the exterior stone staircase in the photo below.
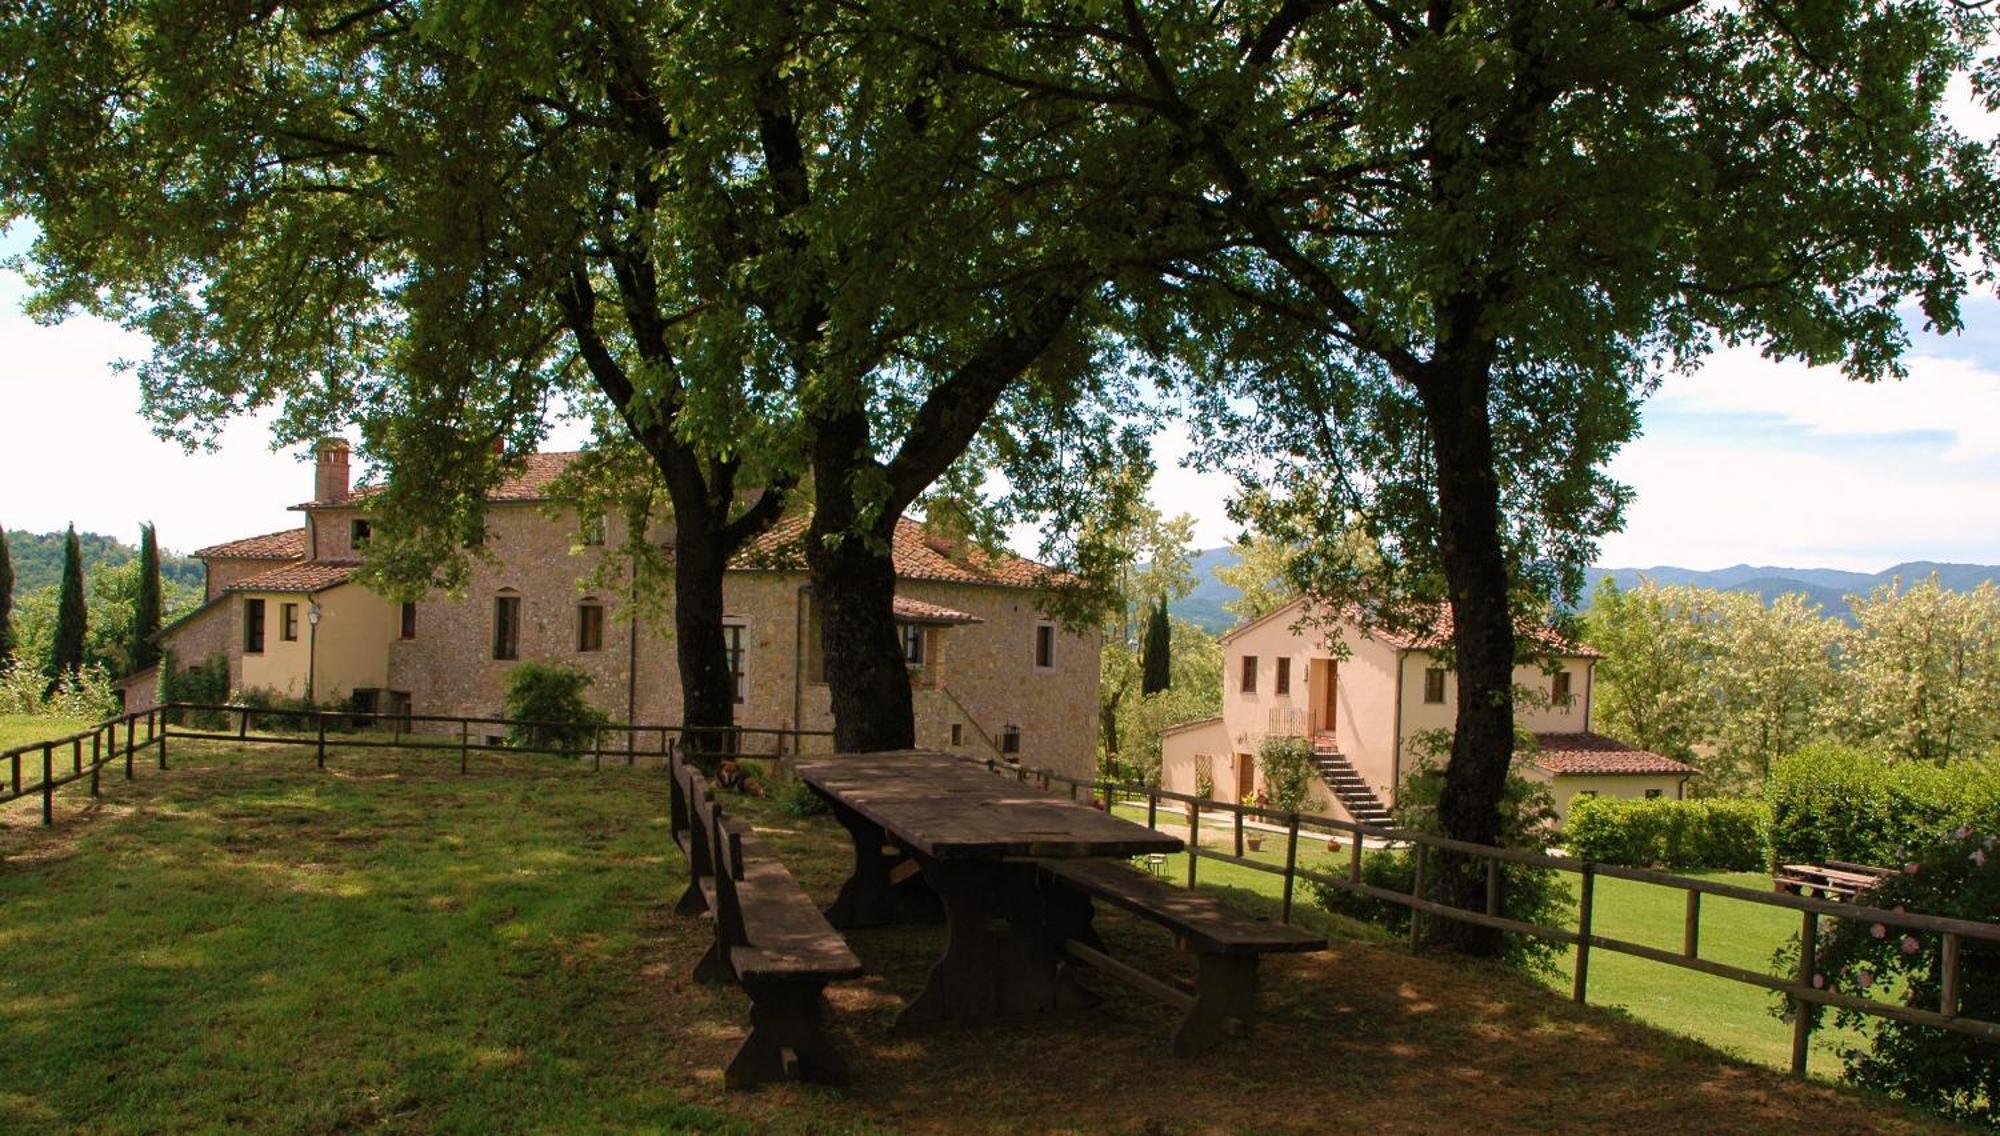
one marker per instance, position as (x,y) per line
(1354,793)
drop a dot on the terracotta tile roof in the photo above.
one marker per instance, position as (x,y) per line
(306,576)
(529,483)
(287,545)
(1597,754)
(918,556)
(917,611)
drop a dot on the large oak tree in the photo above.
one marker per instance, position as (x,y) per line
(1465,239)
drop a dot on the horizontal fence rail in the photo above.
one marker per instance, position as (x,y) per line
(1425,846)
(62,761)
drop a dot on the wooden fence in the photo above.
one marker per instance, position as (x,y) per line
(1424,847)
(316,728)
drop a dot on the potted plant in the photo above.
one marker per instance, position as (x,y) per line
(1254,838)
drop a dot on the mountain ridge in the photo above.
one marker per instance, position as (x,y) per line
(1826,587)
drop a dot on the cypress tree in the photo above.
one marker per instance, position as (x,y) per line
(1157,667)
(146,607)
(6,603)
(70,613)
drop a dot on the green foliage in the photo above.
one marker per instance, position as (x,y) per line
(1533,895)
(1695,835)
(794,798)
(1652,688)
(1832,802)
(1289,771)
(274,711)
(1951,1074)
(1151,561)
(84,694)
(37,559)
(205,683)
(1157,666)
(6,603)
(548,701)
(147,607)
(1920,671)
(1262,577)
(1196,693)
(66,654)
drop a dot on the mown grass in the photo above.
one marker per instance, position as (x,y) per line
(20,729)
(245,943)
(1729,1015)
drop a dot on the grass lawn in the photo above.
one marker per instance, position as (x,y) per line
(1729,1015)
(245,943)
(19,729)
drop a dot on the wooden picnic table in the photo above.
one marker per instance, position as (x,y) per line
(935,834)
(1835,879)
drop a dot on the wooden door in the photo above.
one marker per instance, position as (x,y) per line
(1325,684)
(1246,777)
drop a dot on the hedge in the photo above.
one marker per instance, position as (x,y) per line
(1831,802)
(1717,833)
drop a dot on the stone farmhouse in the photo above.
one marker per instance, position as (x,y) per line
(990,673)
(1283,677)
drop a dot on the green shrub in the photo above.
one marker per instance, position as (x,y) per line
(1718,833)
(1289,771)
(1831,802)
(205,684)
(1532,895)
(86,693)
(1950,1074)
(273,711)
(547,700)
(794,797)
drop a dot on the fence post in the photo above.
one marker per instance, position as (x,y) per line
(1194,839)
(1581,989)
(464,737)
(15,759)
(596,749)
(48,787)
(1804,1012)
(1152,807)
(1691,933)
(96,758)
(243,723)
(319,722)
(160,738)
(130,722)
(1239,831)
(1416,891)
(1492,886)
(1948,982)
(1291,865)
(632,747)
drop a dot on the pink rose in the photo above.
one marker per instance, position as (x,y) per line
(1961,832)
(1979,857)
(1819,982)
(1910,868)
(1879,931)
(1909,944)
(1865,979)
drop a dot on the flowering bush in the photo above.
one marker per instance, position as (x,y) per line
(87,693)
(1952,1074)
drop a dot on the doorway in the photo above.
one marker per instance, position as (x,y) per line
(1325,689)
(1246,777)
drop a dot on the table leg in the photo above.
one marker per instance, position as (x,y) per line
(885,887)
(1002,957)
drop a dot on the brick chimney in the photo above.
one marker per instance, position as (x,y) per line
(330,477)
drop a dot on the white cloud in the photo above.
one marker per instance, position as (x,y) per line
(1707,505)
(1943,395)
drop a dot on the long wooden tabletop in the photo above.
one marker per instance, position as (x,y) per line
(949,808)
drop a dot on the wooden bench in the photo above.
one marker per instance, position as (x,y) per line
(1835,879)
(1226,943)
(770,939)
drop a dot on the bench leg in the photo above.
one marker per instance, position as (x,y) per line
(788,1040)
(885,886)
(713,968)
(1225,1002)
(691,901)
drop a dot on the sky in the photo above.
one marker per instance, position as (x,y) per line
(1746,461)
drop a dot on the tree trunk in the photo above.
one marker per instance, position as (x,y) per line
(854,592)
(708,687)
(1483,634)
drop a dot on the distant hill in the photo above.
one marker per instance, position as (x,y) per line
(1827,587)
(37,559)
(1203,606)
